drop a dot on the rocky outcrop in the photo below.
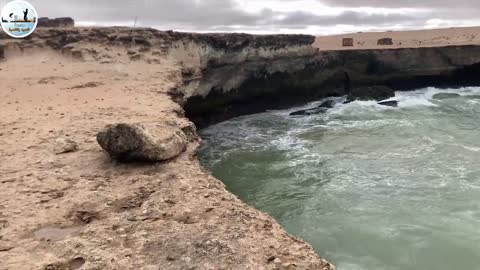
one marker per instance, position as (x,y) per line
(322,108)
(57,22)
(139,142)
(221,85)
(311,111)
(390,103)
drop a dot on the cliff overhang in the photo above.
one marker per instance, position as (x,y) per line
(287,70)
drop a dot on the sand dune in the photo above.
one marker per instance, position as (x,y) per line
(403,39)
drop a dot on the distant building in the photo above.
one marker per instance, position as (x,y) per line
(347,42)
(385,41)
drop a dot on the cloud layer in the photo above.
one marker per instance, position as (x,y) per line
(302,16)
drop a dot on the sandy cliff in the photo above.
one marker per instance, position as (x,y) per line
(80,209)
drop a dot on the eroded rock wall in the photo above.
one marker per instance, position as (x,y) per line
(222,84)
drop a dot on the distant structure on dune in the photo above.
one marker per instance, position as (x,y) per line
(347,42)
(58,22)
(385,41)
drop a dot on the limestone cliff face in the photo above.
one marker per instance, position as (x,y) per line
(404,69)
(221,83)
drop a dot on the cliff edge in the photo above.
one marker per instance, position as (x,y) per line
(66,205)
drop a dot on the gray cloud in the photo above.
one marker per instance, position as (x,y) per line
(433,4)
(208,15)
(348,17)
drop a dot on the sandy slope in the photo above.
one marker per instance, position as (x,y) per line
(403,39)
(81,210)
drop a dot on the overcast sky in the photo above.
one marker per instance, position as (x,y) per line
(268,16)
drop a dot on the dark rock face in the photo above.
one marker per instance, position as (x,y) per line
(391,103)
(445,95)
(57,22)
(138,142)
(378,93)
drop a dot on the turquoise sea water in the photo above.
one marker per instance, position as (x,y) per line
(370,187)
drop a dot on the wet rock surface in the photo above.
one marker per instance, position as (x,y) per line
(311,111)
(377,93)
(329,104)
(390,103)
(140,142)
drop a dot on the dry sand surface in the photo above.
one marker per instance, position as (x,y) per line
(81,210)
(403,39)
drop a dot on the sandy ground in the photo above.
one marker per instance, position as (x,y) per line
(403,39)
(81,210)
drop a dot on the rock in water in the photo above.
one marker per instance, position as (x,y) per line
(327,104)
(65,145)
(377,93)
(445,95)
(317,110)
(130,142)
(307,112)
(390,103)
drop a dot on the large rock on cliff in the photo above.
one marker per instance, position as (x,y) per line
(139,142)
(377,93)
(57,22)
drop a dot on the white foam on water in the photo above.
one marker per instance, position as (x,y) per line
(399,181)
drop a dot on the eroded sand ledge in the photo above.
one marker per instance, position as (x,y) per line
(80,209)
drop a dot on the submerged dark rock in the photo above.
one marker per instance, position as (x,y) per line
(377,92)
(446,95)
(311,111)
(322,108)
(390,103)
(327,104)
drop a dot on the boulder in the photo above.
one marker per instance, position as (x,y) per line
(65,145)
(390,103)
(139,142)
(327,104)
(378,93)
(445,95)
